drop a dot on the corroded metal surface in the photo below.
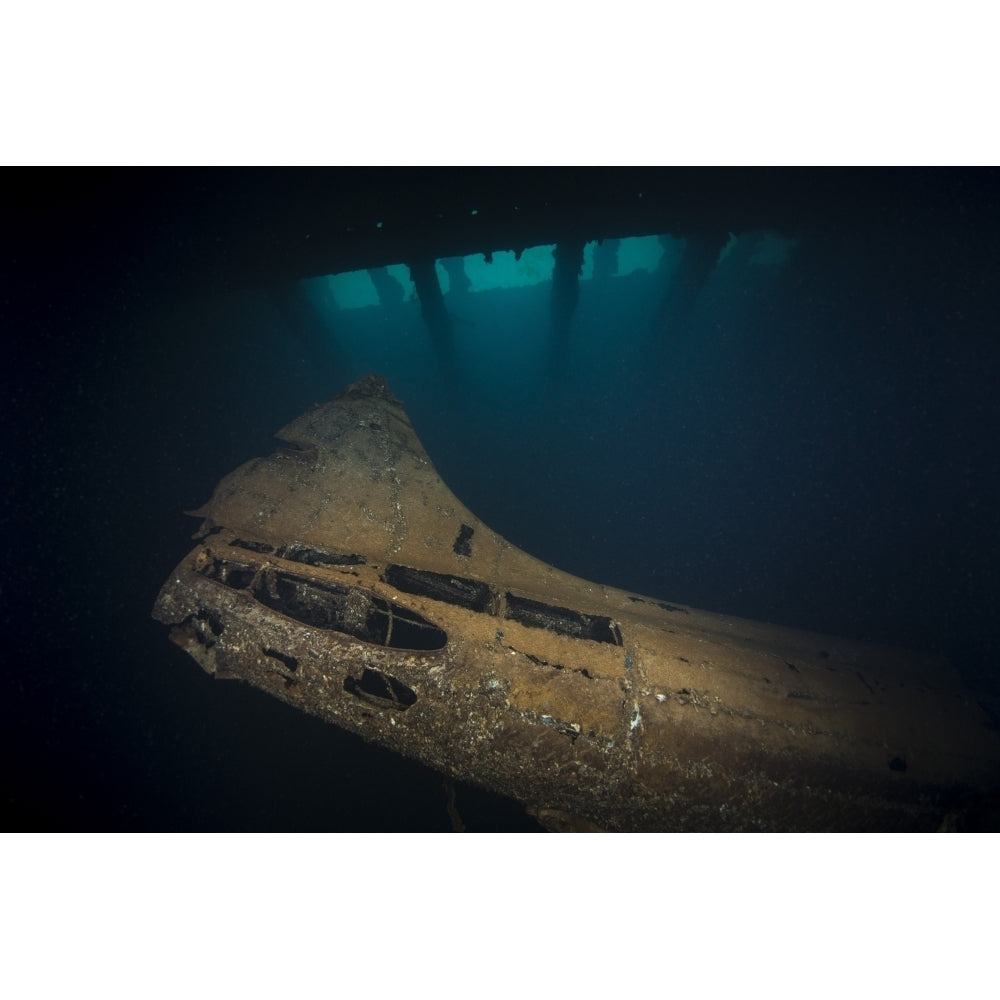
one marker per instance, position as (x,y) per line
(341,575)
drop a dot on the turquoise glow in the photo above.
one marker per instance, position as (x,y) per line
(639,253)
(767,252)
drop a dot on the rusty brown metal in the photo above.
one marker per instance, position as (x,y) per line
(341,575)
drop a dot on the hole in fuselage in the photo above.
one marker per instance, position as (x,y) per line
(351,610)
(381,689)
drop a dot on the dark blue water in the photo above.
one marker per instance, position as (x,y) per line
(812,444)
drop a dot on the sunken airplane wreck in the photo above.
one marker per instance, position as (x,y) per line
(341,575)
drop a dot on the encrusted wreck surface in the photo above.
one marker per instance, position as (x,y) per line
(341,575)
